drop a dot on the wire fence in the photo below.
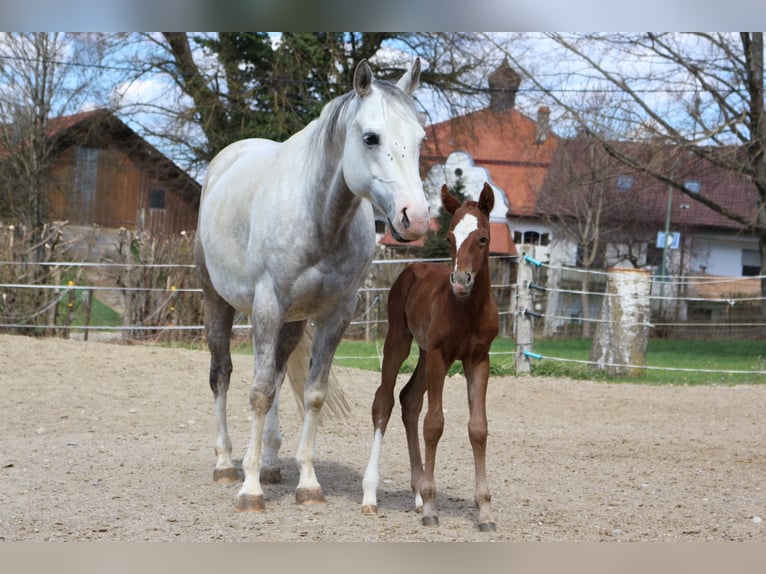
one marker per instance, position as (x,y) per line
(171,303)
(681,307)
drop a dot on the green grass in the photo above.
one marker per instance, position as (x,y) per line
(696,356)
(101,314)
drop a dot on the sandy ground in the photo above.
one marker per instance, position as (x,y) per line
(113,442)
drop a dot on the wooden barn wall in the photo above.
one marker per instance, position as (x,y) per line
(119,196)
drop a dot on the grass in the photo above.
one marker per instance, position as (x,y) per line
(101,314)
(693,358)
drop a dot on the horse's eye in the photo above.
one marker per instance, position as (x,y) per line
(483,239)
(370,139)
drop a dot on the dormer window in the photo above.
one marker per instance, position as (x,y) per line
(624,182)
(692,185)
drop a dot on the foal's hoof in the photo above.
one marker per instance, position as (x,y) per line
(249,503)
(487,527)
(430,521)
(225,475)
(309,496)
(369,509)
(271,476)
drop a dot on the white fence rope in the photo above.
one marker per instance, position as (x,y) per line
(66,288)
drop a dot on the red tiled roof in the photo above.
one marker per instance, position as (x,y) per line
(647,200)
(503,143)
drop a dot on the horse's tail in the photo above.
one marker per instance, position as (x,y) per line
(298,371)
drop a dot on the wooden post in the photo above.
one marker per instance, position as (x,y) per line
(523,324)
(87,301)
(619,345)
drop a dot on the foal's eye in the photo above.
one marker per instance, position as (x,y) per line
(370,139)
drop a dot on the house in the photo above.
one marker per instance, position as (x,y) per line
(635,208)
(633,211)
(499,145)
(105,174)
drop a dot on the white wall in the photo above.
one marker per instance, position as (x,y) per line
(719,254)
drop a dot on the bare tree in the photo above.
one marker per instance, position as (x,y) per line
(42,75)
(700,91)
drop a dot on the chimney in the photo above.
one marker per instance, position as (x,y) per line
(543,124)
(503,86)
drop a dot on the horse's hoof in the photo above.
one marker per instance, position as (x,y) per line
(309,496)
(369,509)
(430,521)
(225,475)
(249,503)
(271,476)
(487,527)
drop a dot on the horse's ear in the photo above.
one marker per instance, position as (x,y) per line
(449,201)
(410,81)
(487,199)
(363,79)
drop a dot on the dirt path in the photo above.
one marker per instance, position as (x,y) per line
(110,442)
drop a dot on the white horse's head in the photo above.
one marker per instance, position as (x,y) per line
(382,151)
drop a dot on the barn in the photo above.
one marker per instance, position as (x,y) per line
(105,174)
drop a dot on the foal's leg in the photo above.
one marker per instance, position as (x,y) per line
(219,317)
(395,350)
(433,426)
(289,338)
(477,376)
(411,400)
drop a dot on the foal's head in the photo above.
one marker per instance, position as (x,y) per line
(468,238)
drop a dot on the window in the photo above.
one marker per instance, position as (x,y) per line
(751,263)
(624,182)
(692,185)
(157,199)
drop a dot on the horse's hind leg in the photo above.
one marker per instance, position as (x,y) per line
(395,350)
(477,376)
(219,317)
(289,338)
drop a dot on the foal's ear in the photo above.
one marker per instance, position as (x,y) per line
(487,199)
(363,79)
(411,79)
(449,201)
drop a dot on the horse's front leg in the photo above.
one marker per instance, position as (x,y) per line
(477,377)
(433,427)
(266,329)
(329,333)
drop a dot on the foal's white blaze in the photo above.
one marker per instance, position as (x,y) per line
(467,225)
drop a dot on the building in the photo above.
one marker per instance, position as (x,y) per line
(104,174)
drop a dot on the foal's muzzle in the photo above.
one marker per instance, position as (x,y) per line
(461,283)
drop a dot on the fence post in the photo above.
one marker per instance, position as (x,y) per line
(619,345)
(524,327)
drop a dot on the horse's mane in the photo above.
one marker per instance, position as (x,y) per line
(330,127)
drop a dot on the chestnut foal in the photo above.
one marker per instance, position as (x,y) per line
(451,315)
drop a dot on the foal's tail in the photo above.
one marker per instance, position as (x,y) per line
(298,371)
